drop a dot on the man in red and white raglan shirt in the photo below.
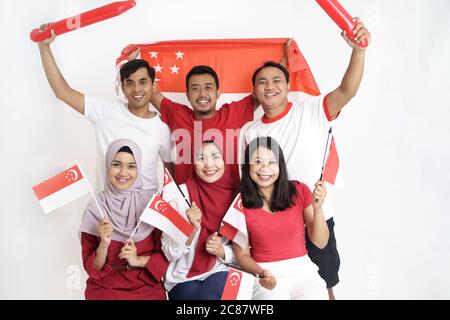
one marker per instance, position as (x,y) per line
(302,129)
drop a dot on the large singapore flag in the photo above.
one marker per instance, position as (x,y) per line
(234,60)
(163,216)
(61,189)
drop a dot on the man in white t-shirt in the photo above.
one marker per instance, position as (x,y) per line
(301,129)
(116,120)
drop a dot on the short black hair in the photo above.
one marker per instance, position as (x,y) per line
(197,70)
(134,65)
(284,193)
(274,65)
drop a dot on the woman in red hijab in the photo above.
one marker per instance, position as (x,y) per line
(120,268)
(197,269)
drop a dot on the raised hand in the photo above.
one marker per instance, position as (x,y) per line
(105,231)
(361,33)
(267,280)
(214,246)
(319,194)
(47,41)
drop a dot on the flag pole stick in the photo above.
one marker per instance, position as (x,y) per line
(179,189)
(135,229)
(324,156)
(90,189)
(140,220)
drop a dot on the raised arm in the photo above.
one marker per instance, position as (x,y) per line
(157,97)
(349,86)
(56,80)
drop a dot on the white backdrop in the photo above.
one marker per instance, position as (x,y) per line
(392,220)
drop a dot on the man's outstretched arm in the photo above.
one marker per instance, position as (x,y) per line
(349,86)
(56,80)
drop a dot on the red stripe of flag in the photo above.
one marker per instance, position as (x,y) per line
(332,164)
(232,285)
(228,231)
(165,209)
(58,182)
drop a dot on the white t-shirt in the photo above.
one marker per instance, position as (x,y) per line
(181,257)
(113,120)
(302,132)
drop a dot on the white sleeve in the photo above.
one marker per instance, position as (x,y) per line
(172,249)
(316,108)
(229,253)
(96,109)
(167,144)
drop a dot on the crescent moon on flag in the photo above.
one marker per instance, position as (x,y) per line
(75,174)
(158,203)
(239,204)
(235,274)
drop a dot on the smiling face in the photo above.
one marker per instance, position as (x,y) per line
(138,88)
(122,172)
(209,165)
(203,94)
(264,168)
(271,88)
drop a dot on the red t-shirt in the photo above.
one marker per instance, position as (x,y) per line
(180,119)
(281,235)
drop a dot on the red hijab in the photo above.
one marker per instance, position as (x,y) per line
(213,199)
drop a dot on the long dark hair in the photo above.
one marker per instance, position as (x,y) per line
(284,193)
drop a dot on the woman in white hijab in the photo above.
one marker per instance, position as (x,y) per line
(120,268)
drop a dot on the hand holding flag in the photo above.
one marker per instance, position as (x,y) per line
(214,246)
(267,280)
(194,214)
(105,231)
(319,194)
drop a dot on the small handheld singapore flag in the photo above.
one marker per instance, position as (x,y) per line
(61,189)
(332,173)
(171,190)
(234,226)
(161,215)
(239,285)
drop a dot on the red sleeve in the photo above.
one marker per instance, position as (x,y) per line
(327,112)
(304,194)
(169,110)
(89,245)
(157,264)
(243,109)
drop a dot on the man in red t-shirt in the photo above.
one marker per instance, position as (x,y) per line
(203,122)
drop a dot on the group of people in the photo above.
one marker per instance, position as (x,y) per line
(291,249)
